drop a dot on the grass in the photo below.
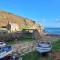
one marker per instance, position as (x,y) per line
(11,42)
(56,45)
(31,56)
(35,56)
(24,38)
(24,27)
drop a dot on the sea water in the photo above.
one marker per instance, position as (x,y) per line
(53,30)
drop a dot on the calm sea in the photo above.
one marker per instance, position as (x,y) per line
(53,30)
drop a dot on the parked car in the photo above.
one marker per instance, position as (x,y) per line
(43,47)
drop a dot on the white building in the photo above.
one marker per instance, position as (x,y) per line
(13,27)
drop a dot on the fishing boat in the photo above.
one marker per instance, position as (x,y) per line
(43,47)
(5,50)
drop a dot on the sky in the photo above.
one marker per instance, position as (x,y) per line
(46,12)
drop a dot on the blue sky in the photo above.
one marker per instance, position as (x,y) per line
(46,12)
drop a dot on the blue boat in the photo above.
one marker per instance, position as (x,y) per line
(5,50)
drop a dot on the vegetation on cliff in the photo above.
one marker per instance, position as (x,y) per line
(6,17)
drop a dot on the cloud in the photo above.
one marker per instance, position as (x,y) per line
(57,20)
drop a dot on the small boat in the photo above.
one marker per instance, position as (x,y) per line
(43,47)
(5,50)
(2,44)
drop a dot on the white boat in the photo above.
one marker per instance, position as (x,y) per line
(2,44)
(43,47)
(5,50)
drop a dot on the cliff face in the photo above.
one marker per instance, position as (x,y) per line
(6,17)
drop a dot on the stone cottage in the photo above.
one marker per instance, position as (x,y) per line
(12,27)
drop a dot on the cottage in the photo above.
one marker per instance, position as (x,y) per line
(13,27)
